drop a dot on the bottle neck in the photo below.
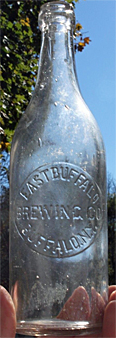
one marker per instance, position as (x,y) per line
(57,52)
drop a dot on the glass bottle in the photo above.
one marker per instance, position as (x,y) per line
(58,227)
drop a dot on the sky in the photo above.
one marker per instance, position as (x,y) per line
(96,69)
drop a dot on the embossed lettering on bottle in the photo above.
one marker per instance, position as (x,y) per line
(59,210)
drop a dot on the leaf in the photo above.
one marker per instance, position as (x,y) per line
(78,27)
(81,46)
(25,22)
(27,19)
(1,78)
(4,145)
(87,40)
(10,24)
(17,25)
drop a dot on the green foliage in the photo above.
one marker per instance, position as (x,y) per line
(19,58)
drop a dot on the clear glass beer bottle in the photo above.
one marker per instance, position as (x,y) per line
(58,227)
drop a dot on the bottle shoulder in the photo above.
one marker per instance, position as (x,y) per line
(58,132)
(66,115)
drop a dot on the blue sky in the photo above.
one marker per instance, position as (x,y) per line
(96,69)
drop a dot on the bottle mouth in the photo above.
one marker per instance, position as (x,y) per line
(56,11)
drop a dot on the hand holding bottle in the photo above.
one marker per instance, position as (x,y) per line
(8,316)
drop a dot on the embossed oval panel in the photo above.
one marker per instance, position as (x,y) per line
(58,210)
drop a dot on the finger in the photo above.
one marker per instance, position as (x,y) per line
(97,306)
(77,306)
(8,317)
(112,296)
(111,289)
(109,328)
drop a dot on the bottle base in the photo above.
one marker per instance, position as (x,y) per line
(56,328)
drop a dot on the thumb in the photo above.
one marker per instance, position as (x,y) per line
(109,328)
(8,317)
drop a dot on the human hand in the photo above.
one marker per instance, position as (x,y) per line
(79,302)
(8,316)
(109,324)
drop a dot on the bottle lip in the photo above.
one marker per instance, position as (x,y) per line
(51,11)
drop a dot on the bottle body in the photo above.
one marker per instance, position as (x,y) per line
(58,231)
